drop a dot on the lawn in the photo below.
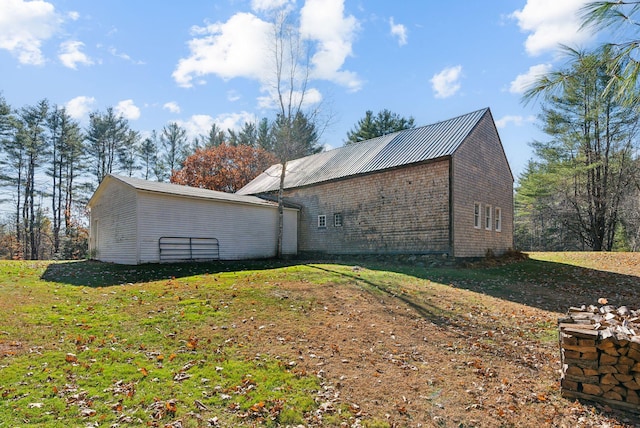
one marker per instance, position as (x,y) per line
(299,343)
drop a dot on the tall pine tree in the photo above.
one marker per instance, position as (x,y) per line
(590,153)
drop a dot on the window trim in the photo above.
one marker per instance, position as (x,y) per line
(477,215)
(337,220)
(488,217)
(498,219)
(322,221)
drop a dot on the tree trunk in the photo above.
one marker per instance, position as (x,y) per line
(20,253)
(68,199)
(56,177)
(32,220)
(281,210)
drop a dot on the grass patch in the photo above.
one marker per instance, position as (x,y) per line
(141,352)
(277,344)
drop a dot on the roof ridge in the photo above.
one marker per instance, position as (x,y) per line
(484,109)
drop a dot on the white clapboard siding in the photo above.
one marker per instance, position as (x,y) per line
(290,233)
(129,216)
(114,224)
(243,231)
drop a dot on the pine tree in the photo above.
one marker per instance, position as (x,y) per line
(591,151)
(383,123)
(106,135)
(174,143)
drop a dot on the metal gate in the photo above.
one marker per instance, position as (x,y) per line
(178,248)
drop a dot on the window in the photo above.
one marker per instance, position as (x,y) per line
(337,219)
(498,219)
(476,215)
(487,217)
(322,221)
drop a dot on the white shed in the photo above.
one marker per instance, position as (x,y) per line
(136,221)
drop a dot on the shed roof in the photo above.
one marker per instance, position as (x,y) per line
(179,190)
(405,147)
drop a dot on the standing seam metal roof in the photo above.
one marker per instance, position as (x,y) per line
(392,150)
(185,191)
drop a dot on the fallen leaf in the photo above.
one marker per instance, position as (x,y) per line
(87,413)
(171,406)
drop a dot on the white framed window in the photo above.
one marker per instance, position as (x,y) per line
(476,215)
(498,219)
(488,217)
(322,221)
(337,219)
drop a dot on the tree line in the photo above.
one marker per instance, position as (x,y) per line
(50,166)
(582,189)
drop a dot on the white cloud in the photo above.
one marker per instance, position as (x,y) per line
(447,82)
(399,31)
(323,21)
(24,26)
(196,125)
(267,5)
(234,120)
(233,95)
(113,51)
(523,81)
(240,47)
(200,124)
(551,22)
(73,15)
(172,106)
(79,107)
(312,96)
(236,48)
(128,110)
(71,55)
(504,121)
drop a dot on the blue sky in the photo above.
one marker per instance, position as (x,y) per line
(203,62)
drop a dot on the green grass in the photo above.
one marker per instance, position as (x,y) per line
(78,342)
(87,342)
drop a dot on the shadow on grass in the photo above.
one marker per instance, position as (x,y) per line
(425,309)
(546,285)
(98,274)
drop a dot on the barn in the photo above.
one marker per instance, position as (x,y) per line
(136,221)
(444,188)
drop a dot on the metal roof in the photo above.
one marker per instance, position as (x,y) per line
(186,191)
(429,142)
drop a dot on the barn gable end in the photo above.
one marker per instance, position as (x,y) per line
(481,178)
(114,223)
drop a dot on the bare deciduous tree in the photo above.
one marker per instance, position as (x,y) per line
(294,129)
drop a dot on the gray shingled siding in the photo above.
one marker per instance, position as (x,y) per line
(481,174)
(407,206)
(405,210)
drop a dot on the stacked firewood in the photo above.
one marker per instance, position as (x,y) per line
(600,351)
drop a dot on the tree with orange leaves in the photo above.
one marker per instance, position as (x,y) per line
(225,168)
